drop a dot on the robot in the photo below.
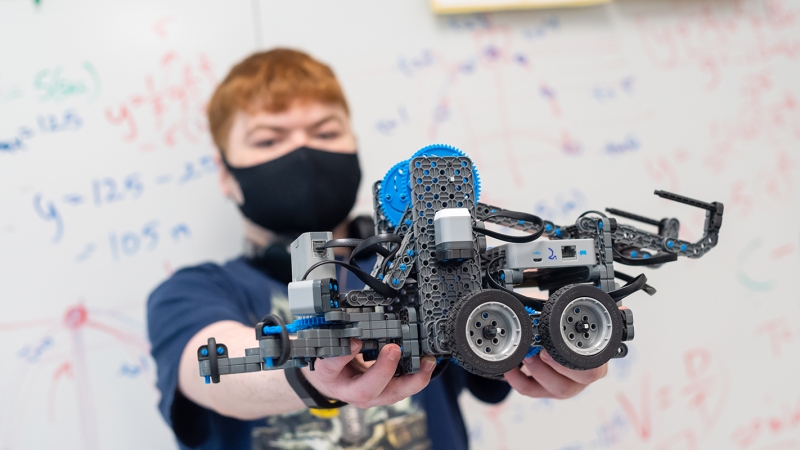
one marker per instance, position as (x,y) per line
(436,289)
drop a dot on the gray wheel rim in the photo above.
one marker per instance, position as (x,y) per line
(493,331)
(586,326)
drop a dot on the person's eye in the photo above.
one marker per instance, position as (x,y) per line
(266,143)
(329,135)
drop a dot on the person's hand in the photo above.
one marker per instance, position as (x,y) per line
(345,378)
(549,379)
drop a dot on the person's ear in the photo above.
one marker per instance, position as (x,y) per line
(227,183)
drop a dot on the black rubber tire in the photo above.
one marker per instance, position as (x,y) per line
(460,349)
(550,323)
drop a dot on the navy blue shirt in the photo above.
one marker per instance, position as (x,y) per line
(196,297)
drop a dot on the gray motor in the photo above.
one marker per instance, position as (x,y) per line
(315,294)
(453,234)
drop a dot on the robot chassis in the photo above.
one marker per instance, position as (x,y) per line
(436,289)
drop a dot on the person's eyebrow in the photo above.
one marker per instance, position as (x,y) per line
(323,121)
(264,127)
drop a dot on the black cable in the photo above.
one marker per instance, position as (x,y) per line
(627,278)
(595,212)
(375,244)
(507,237)
(629,288)
(371,244)
(526,301)
(388,258)
(662,258)
(347,242)
(525,217)
(368,279)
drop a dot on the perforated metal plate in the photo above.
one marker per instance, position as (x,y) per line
(439,183)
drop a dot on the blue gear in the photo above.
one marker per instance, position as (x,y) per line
(395,192)
(438,150)
(303,323)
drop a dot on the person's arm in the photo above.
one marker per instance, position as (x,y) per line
(260,394)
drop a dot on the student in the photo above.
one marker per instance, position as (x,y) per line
(288,160)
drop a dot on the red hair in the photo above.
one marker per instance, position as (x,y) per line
(271,81)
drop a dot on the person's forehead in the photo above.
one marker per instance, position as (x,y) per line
(299,115)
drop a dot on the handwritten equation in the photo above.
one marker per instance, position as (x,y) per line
(109,190)
(171,106)
(45,124)
(56,84)
(698,398)
(710,39)
(61,83)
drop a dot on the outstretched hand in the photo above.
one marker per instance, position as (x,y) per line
(549,379)
(347,379)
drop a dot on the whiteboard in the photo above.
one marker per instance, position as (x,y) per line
(106,189)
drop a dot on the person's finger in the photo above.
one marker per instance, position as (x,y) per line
(525,385)
(360,364)
(405,386)
(579,376)
(365,387)
(329,369)
(555,383)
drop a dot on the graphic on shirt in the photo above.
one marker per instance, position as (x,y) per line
(399,426)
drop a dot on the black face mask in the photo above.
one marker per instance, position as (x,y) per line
(304,190)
